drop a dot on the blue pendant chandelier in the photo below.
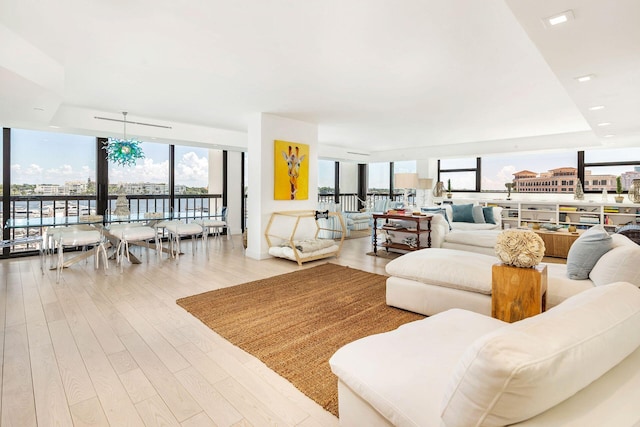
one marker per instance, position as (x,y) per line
(123,152)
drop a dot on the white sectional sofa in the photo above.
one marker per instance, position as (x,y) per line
(449,231)
(573,365)
(429,281)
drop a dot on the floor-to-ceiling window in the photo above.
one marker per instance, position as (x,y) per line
(326,180)
(541,173)
(56,174)
(459,174)
(378,178)
(192,177)
(602,167)
(147,180)
(52,174)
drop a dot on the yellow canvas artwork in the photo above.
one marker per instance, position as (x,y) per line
(291,176)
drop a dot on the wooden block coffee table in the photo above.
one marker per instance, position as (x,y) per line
(518,293)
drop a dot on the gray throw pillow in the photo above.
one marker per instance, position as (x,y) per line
(478,216)
(586,251)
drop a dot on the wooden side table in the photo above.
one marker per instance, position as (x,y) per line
(518,293)
(417,231)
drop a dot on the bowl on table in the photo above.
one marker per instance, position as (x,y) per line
(550,227)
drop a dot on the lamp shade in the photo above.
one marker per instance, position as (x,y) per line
(405,180)
(425,183)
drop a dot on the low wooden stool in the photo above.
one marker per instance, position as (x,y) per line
(518,293)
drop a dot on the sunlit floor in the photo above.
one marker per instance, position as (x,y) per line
(114,349)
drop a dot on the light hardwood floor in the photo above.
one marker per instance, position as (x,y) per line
(114,349)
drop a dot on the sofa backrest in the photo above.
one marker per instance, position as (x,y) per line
(620,264)
(497,217)
(527,367)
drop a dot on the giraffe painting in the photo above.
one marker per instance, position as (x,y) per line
(291,173)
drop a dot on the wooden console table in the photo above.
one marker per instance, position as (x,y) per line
(517,293)
(418,230)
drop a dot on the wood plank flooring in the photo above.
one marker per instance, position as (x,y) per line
(113,349)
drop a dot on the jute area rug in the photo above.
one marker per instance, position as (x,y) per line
(296,321)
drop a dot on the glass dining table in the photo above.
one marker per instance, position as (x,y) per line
(101,222)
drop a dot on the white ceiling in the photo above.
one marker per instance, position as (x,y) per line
(386,78)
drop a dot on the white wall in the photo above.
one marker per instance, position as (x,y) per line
(215,172)
(264,129)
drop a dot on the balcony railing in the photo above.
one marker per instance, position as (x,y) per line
(189,207)
(349,201)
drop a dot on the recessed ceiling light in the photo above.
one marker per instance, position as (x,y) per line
(585,78)
(558,19)
(596,107)
(54,127)
(610,135)
(604,124)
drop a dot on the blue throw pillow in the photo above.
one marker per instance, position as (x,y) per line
(488,215)
(478,216)
(462,213)
(436,211)
(586,251)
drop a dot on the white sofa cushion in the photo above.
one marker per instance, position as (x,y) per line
(527,367)
(472,226)
(403,373)
(484,238)
(560,287)
(463,270)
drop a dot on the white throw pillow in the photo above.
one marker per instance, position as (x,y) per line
(620,264)
(527,367)
(497,215)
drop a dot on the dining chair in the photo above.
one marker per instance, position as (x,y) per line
(51,234)
(130,233)
(72,237)
(179,229)
(215,225)
(28,240)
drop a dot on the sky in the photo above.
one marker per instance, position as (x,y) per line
(496,169)
(55,158)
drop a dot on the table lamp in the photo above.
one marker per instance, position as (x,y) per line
(424,184)
(405,181)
